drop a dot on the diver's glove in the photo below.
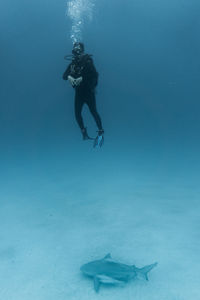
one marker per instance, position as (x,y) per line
(72,80)
(75,82)
(78,80)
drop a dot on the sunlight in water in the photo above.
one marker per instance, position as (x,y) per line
(79,11)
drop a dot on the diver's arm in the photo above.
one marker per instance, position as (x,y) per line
(67,72)
(74,82)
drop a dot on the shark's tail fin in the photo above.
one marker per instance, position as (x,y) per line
(144,271)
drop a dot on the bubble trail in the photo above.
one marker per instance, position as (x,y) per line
(79,11)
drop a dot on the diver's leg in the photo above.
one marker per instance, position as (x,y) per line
(78,106)
(78,114)
(91,102)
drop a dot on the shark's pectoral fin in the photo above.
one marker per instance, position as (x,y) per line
(108,280)
(96,283)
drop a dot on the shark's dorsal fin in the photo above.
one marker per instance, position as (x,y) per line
(133,266)
(107,256)
(96,283)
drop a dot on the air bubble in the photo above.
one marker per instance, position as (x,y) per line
(79,11)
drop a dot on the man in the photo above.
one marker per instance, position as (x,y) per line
(82,75)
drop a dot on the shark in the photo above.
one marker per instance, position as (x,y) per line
(108,271)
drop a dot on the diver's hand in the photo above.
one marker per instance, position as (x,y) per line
(72,80)
(78,81)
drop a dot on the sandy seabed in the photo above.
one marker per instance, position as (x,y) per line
(62,210)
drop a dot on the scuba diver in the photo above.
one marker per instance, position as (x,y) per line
(82,75)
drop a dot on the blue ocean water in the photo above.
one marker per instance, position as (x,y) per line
(63,203)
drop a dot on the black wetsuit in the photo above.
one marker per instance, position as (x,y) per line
(85,92)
